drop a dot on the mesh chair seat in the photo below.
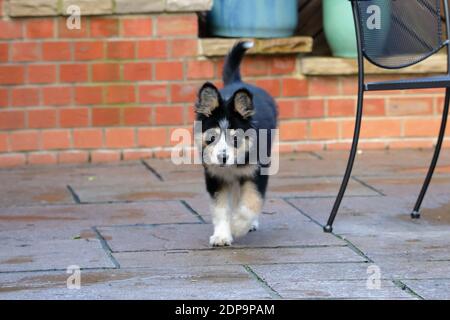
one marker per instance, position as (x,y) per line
(413,83)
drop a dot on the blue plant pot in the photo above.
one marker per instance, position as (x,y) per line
(253,18)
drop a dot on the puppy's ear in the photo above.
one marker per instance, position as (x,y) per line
(208,99)
(243,103)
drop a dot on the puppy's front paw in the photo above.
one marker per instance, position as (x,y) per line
(220,240)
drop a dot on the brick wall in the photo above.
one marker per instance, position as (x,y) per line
(118,87)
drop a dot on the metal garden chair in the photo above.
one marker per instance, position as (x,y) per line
(394,34)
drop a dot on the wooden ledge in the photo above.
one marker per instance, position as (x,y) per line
(329,66)
(216,47)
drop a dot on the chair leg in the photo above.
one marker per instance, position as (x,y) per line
(416,213)
(348,172)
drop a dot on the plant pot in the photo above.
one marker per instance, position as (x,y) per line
(339,28)
(253,18)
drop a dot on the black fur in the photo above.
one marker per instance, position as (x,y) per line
(264,117)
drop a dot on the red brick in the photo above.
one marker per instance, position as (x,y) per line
(410,106)
(4,97)
(311,108)
(152,49)
(184,48)
(12,119)
(3,142)
(137,27)
(12,74)
(184,92)
(349,86)
(121,50)
(152,137)
(73,72)
(137,71)
(24,141)
(137,116)
(292,130)
(341,107)
(4,52)
(177,25)
(57,96)
(45,118)
(120,94)
(11,29)
(55,139)
(119,138)
(41,73)
(374,107)
(256,66)
(283,65)
(421,127)
(56,51)
(25,97)
(104,156)
(12,160)
(286,109)
(87,138)
(129,155)
(201,69)
(323,130)
(169,71)
(42,158)
(73,157)
(292,87)
(105,72)
(172,115)
(64,32)
(272,86)
(73,117)
(104,27)
(323,86)
(89,50)
(105,116)
(25,51)
(373,129)
(39,28)
(88,95)
(153,93)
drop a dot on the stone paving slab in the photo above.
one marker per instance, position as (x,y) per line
(196,236)
(232,256)
(275,210)
(219,282)
(322,281)
(21,251)
(431,289)
(154,212)
(306,187)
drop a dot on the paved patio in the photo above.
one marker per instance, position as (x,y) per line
(140,230)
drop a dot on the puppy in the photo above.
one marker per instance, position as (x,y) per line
(235,138)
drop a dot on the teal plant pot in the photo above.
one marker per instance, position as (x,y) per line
(253,18)
(339,28)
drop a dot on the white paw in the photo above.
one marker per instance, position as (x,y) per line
(254,226)
(219,240)
(240,227)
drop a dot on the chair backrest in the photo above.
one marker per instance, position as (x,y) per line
(399,33)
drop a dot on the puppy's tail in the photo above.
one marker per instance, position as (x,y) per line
(231,71)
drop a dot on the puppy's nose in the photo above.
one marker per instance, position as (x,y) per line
(223,158)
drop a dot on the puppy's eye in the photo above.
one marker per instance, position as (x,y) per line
(210,139)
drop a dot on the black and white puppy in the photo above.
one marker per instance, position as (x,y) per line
(236,134)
